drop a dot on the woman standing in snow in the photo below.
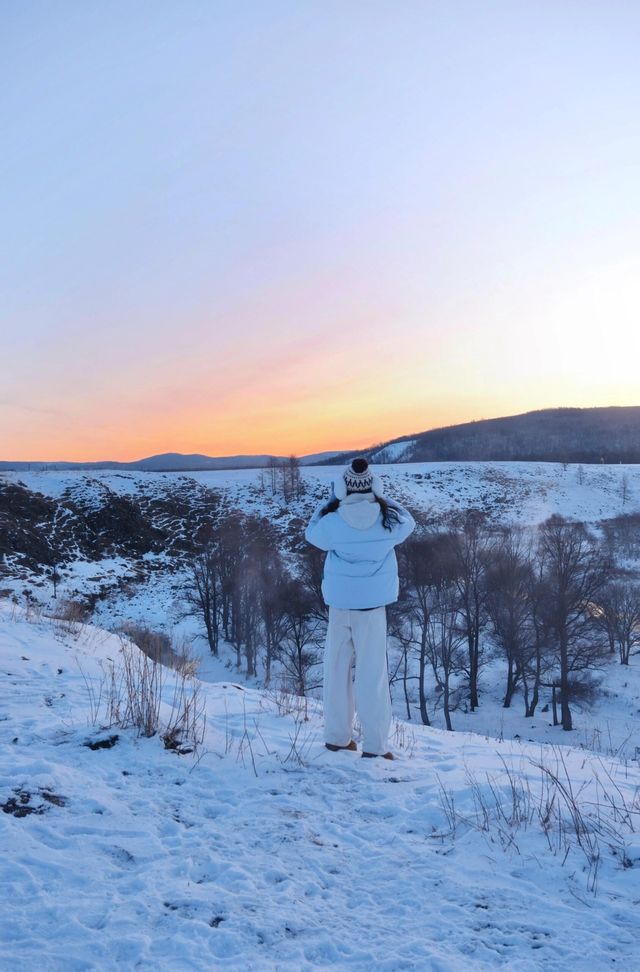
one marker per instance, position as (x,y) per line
(359,529)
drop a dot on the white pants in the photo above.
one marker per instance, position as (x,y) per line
(361,635)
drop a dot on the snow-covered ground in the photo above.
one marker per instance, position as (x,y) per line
(609,724)
(149,589)
(525,492)
(263,851)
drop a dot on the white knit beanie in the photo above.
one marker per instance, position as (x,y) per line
(357,478)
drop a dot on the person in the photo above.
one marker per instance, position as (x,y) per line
(359,529)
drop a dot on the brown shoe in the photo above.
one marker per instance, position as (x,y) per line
(352,746)
(382,755)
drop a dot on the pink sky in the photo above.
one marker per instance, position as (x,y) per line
(288,228)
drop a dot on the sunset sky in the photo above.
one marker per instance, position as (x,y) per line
(242,227)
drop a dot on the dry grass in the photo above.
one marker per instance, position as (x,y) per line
(589,817)
(69,616)
(138,692)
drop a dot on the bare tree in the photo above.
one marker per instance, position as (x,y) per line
(273,472)
(513,604)
(624,488)
(510,608)
(429,572)
(298,653)
(445,637)
(411,616)
(248,620)
(295,481)
(285,477)
(622,534)
(202,593)
(56,577)
(231,536)
(254,571)
(311,573)
(401,631)
(56,546)
(239,588)
(539,658)
(575,570)
(471,547)
(275,582)
(619,615)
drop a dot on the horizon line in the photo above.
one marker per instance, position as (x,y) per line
(301,455)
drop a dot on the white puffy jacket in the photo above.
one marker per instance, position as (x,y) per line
(361,570)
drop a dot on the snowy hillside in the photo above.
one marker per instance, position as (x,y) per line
(524,491)
(131,562)
(263,851)
(142,575)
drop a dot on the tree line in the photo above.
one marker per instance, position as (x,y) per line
(241,590)
(282,476)
(550,602)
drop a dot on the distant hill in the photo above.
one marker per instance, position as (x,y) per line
(609,434)
(169,462)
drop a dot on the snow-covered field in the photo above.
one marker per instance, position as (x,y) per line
(525,492)
(149,589)
(263,851)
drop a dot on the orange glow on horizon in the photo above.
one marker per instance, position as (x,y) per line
(265,250)
(298,435)
(378,375)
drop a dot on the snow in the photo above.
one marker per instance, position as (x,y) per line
(393,452)
(525,492)
(264,851)
(518,491)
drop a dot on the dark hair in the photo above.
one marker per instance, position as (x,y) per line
(390,514)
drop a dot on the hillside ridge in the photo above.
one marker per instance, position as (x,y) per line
(567,434)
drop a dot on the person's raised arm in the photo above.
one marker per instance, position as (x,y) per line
(317,532)
(406,525)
